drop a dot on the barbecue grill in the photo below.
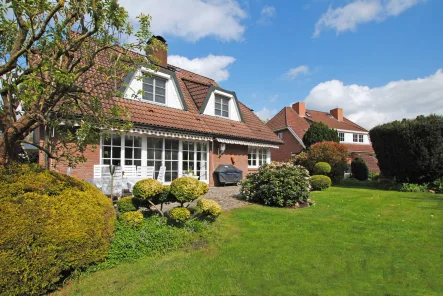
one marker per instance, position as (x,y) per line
(228,174)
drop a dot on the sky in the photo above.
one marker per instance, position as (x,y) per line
(379,60)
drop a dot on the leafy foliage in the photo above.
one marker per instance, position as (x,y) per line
(320,132)
(437,185)
(50,224)
(322,168)
(180,214)
(410,150)
(133,218)
(147,189)
(277,184)
(334,154)
(410,187)
(187,189)
(359,169)
(127,204)
(320,182)
(209,207)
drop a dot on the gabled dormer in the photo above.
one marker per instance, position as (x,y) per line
(221,103)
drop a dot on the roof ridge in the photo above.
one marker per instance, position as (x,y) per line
(192,72)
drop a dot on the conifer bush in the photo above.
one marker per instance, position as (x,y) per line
(359,169)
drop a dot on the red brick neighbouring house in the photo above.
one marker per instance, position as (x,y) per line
(181,121)
(291,123)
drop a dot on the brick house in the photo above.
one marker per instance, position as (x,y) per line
(291,123)
(181,121)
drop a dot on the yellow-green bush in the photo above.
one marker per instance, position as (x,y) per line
(180,214)
(322,168)
(133,218)
(147,189)
(320,182)
(209,207)
(50,224)
(126,204)
(187,189)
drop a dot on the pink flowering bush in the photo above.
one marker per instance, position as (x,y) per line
(281,184)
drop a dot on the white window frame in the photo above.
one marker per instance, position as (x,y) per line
(154,85)
(280,135)
(360,138)
(355,138)
(133,159)
(258,153)
(222,99)
(340,134)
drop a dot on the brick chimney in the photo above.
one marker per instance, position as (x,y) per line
(337,113)
(300,108)
(160,53)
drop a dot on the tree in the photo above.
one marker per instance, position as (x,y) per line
(410,150)
(49,72)
(319,132)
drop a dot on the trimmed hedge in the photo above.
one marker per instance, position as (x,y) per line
(320,182)
(322,168)
(411,151)
(359,169)
(50,225)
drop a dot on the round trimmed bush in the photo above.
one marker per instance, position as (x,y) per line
(359,169)
(50,225)
(133,218)
(277,184)
(320,182)
(180,214)
(187,189)
(126,204)
(147,189)
(322,168)
(209,207)
(164,197)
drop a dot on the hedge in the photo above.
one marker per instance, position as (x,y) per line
(359,169)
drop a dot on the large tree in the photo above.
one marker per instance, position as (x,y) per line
(49,73)
(319,132)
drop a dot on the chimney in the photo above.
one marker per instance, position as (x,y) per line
(159,52)
(300,108)
(337,113)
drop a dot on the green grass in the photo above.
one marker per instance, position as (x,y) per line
(353,242)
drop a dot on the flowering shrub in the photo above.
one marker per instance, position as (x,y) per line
(320,182)
(132,218)
(209,207)
(277,184)
(180,214)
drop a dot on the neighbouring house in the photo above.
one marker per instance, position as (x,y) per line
(183,121)
(291,123)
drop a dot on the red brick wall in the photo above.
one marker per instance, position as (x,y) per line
(291,145)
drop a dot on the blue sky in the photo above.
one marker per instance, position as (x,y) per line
(379,60)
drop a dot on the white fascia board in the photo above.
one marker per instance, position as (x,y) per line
(296,137)
(352,131)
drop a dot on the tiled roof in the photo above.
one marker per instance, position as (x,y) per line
(287,117)
(359,148)
(330,121)
(194,88)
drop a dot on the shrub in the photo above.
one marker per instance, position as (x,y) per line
(127,204)
(277,184)
(50,224)
(410,187)
(302,159)
(164,197)
(437,185)
(320,132)
(187,189)
(209,207)
(133,218)
(147,189)
(359,169)
(320,182)
(410,150)
(333,153)
(180,214)
(322,168)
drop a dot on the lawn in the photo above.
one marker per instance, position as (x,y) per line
(353,242)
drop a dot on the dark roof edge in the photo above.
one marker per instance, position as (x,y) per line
(208,95)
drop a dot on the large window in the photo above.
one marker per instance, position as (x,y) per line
(154,89)
(171,159)
(221,106)
(357,138)
(133,150)
(111,150)
(202,160)
(155,150)
(257,156)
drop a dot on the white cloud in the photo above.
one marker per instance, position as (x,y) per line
(347,18)
(267,13)
(273,98)
(296,72)
(191,19)
(369,107)
(265,113)
(212,66)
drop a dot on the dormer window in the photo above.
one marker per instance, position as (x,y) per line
(154,89)
(221,106)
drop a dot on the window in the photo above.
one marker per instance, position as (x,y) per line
(257,156)
(221,106)
(155,150)
(133,150)
(171,159)
(111,150)
(355,138)
(280,135)
(202,160)
(154,89)
(360,138)
(341,136)
(195,159)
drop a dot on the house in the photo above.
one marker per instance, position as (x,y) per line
(291,123)
(183,121)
